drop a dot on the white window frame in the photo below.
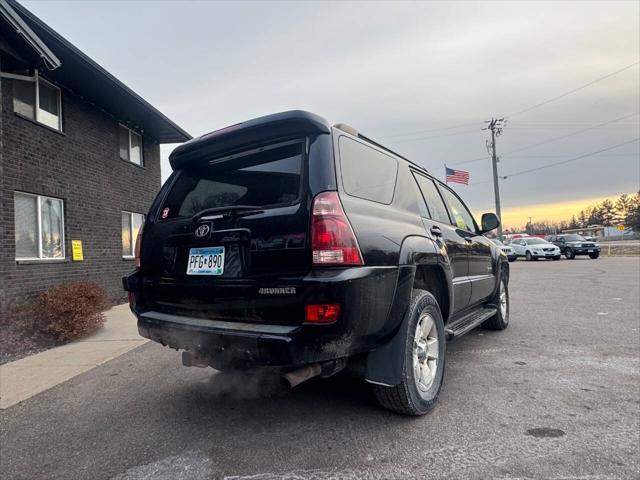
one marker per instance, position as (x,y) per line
(133,240)
(37,79)
(132,132)
(39,232)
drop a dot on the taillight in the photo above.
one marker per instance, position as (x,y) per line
(322,312)
(332,239)
(136,259)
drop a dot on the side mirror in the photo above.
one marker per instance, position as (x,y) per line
(490,221)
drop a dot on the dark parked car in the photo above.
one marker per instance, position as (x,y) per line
(288,243)
(571,245)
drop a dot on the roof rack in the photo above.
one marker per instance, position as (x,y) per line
(352,131)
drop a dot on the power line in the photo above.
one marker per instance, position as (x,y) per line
(572,91)
(548,140)
(420,139)
(396,135)
(549,165)
(451,127)
(564,155)
(635,155)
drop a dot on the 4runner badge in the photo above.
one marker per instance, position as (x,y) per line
(277,291)
(202,230)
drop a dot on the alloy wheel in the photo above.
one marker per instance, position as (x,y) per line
(425,352)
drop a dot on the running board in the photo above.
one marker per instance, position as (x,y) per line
(468,322)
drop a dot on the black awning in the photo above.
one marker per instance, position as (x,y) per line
(78,73)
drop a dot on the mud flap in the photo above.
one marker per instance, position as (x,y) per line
(384,364)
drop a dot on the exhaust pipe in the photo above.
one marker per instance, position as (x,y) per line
(190,360)
(303,374)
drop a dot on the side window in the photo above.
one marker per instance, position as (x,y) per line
(39,227)
(131,223)
(437,210)
(130,145)
(38,100)
(366,172)
(461,216)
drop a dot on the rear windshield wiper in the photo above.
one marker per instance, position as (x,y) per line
(229,211)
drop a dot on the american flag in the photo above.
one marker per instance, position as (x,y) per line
(457,176)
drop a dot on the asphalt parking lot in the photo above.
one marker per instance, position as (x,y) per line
(556,395)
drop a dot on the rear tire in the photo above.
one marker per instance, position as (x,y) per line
(500,320)
(569,254)
(423,370)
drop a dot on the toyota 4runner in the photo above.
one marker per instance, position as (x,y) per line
(290,244)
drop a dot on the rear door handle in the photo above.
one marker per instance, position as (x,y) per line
(435,230)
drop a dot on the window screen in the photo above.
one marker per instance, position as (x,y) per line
(437,210)
(49,105)
(26,225)
(123,138)
(24,98)
(136,148)
(366,172)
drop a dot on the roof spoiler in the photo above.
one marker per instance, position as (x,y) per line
(251,132)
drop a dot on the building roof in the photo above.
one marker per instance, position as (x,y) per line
(69,67)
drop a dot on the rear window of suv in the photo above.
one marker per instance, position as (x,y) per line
(367,173)
(269,176)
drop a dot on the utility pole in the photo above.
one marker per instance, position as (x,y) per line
(495,125)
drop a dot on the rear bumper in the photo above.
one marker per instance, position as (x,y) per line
(364,293)
(228,343)
(585,250)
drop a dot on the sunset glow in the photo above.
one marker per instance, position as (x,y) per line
(554,212)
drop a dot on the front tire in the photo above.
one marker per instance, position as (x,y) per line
(569,254)
(528,256)
(557,257)
(594,255)
(423,370)
(500,320)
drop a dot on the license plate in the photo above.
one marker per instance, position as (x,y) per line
(591,251)
(205,261)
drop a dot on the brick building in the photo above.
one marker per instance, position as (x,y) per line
(79,161)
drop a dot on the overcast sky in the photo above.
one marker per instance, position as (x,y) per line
(403,73)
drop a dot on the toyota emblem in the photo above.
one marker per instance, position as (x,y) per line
(202,230)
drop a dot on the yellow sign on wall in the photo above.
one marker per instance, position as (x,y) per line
(621,228)
(76,251)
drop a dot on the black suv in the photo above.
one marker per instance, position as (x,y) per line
(571,245)
(287,243)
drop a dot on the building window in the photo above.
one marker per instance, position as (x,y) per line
(130,146)
(131,223)
(38,100)
(39,227)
